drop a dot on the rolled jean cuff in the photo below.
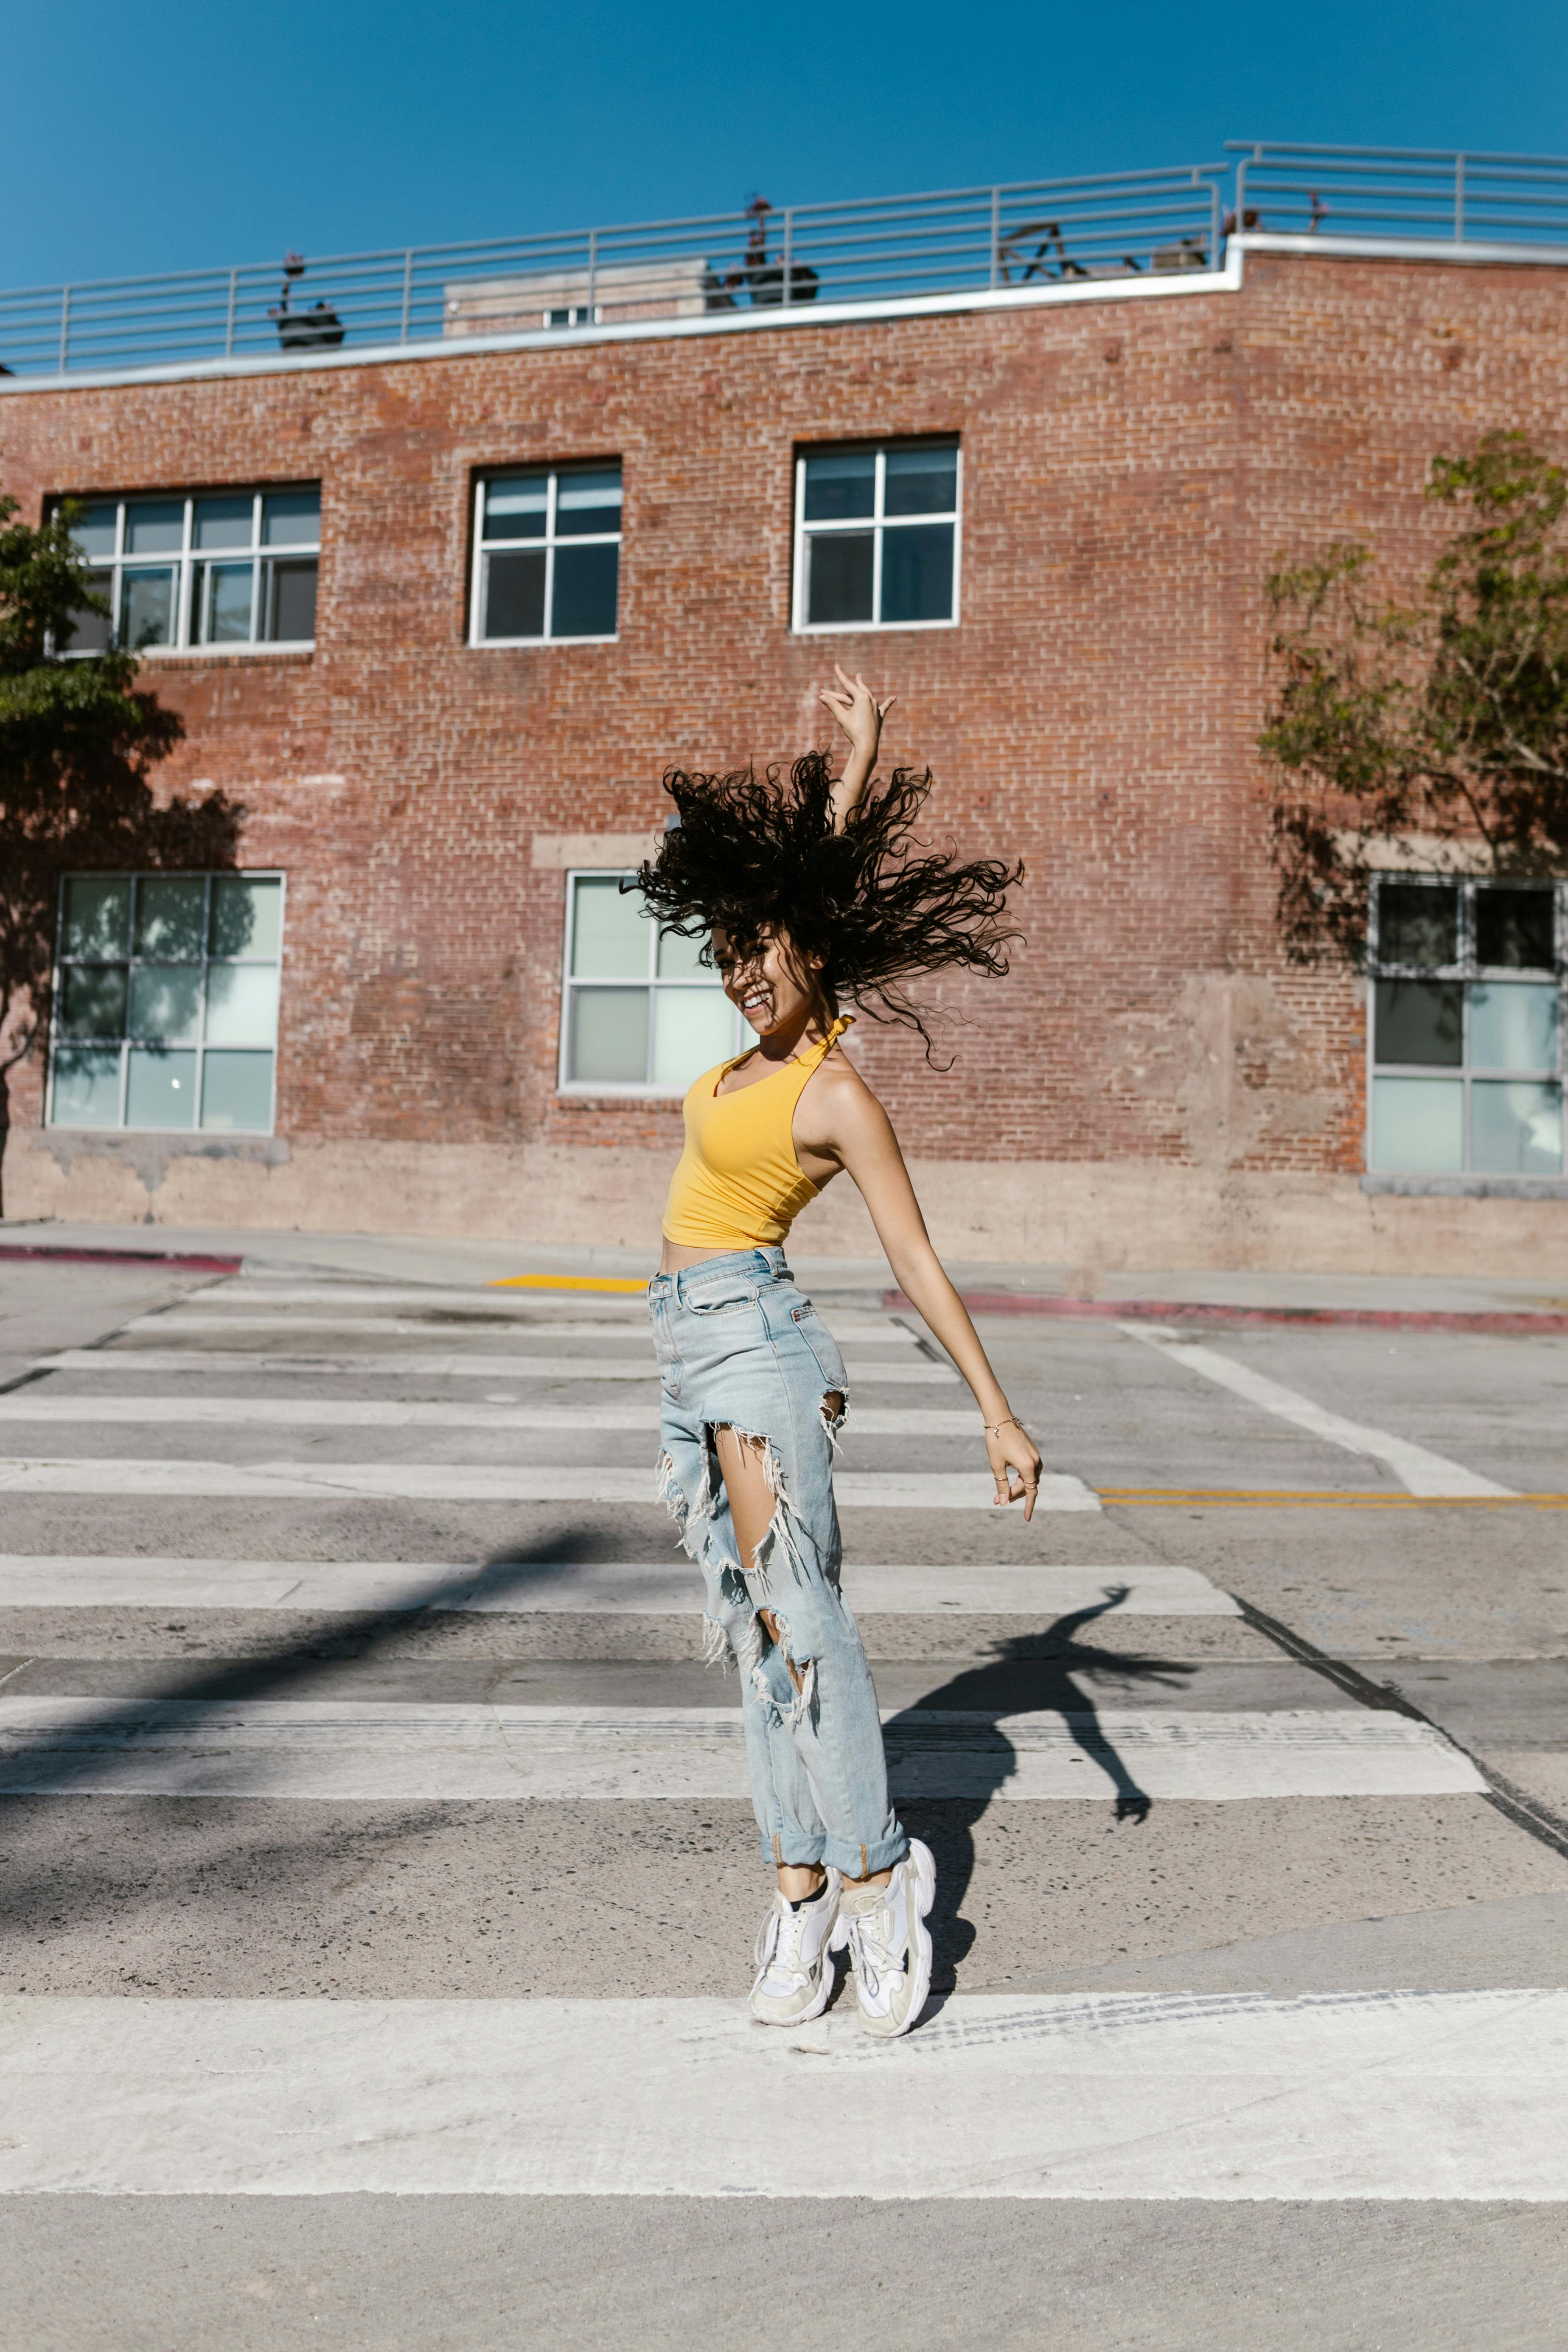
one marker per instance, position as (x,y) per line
(862,1861)
(793,1852)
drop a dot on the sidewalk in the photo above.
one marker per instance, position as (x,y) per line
(992,1288)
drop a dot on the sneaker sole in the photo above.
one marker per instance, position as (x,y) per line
(925,1895)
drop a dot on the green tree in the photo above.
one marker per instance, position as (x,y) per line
(1445,719)
(78,741)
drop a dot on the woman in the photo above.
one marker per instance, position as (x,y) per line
(808,893)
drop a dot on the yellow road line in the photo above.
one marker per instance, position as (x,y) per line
(1229,1499)
(569,1282)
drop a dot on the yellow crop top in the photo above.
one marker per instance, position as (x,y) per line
(738,1184)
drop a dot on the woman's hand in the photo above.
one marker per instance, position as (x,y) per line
(1009,1449)
(860,716)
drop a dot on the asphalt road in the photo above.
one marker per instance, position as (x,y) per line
(380,1886)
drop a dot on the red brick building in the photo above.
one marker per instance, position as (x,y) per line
(554,557)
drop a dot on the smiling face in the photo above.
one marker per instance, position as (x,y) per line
(775,985)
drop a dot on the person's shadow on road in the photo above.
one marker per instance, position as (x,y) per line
(1017,1680)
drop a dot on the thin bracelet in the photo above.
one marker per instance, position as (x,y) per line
(1009,1420)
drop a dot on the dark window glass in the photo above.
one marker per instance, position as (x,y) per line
(920,481)
(291,518)
(917,573)
(840,486)
(98,915)
(519,508)
(93,1000)
(155,529)
(1417,923)
(1514,929)
(147,609)
(514,600)
(94,533)
(91,632)
(171,916)
(290,593)
(1420,1021)
(840,579)
(588,503)
(224,522)
(586,581)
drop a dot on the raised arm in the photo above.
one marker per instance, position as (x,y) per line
(863,1142)
(859,716)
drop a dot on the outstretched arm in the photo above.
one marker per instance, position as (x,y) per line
(864,1142)
(860,717)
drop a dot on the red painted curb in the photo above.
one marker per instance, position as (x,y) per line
(171,1261)
(1161,1310)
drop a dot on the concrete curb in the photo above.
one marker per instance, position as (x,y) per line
(171,1261)
(1523,1324)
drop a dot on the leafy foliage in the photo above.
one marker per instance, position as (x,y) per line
(1446,719)
(78,741)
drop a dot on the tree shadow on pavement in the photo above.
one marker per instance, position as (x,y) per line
(1015,1681)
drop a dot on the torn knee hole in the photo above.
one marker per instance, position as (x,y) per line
(779,1636)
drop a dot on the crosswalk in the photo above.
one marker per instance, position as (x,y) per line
(219,2088)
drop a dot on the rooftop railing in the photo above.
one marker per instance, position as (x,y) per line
(953,241)
(1402,192)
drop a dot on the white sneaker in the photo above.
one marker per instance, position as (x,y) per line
(884,1930)
(794,1974)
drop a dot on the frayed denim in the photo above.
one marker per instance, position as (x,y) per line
(739,1346)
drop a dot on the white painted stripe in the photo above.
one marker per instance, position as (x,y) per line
(1229,2096)
(437,1482)
(472,1364)
(40,1405)
(599,1588)
(228,1297)
(183,1320)
(1417,1470)
(351,1751)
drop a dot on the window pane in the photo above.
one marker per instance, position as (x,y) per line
(221,597)
(514,596)
(680,958)
(917,573)
(171,915)
(94,534)
(1513,1026)
(1418,924)
(161,1087)
(236,1092)
(92,999)
(242,1003)
(516,509)
(157,527)
(87,1086)
(224,522)
(1419,1021)
(585,579)
(1418,1125)
(920,481)
(291,518)
(289,590)
(609,1035)
(838,584)
(98,915)
(1514,929)
(840,486)
(609,932)
(92,631)
(166,1002)
(586,502)
(1516,1130)
(248,915)
(693,1028)
(146,609)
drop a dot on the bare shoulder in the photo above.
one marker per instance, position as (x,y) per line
(837,1105)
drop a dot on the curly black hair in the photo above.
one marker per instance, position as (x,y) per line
(759,854)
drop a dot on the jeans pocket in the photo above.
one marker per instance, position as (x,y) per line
(722,1302)
(824,1347)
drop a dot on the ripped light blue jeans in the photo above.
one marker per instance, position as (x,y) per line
(739,1346)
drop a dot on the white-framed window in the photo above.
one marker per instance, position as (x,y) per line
(223,568)
(166,1001)
(640,1014)
(547,555)
(1465,1041)
(877,533)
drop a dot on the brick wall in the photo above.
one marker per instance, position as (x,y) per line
(1132,469)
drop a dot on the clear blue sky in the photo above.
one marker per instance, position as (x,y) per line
(188,135)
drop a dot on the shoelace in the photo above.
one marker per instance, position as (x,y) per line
(772,1941)
(871,1944)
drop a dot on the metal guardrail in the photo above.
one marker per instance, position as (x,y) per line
(953,241)
(1111,225)
(1401,193)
